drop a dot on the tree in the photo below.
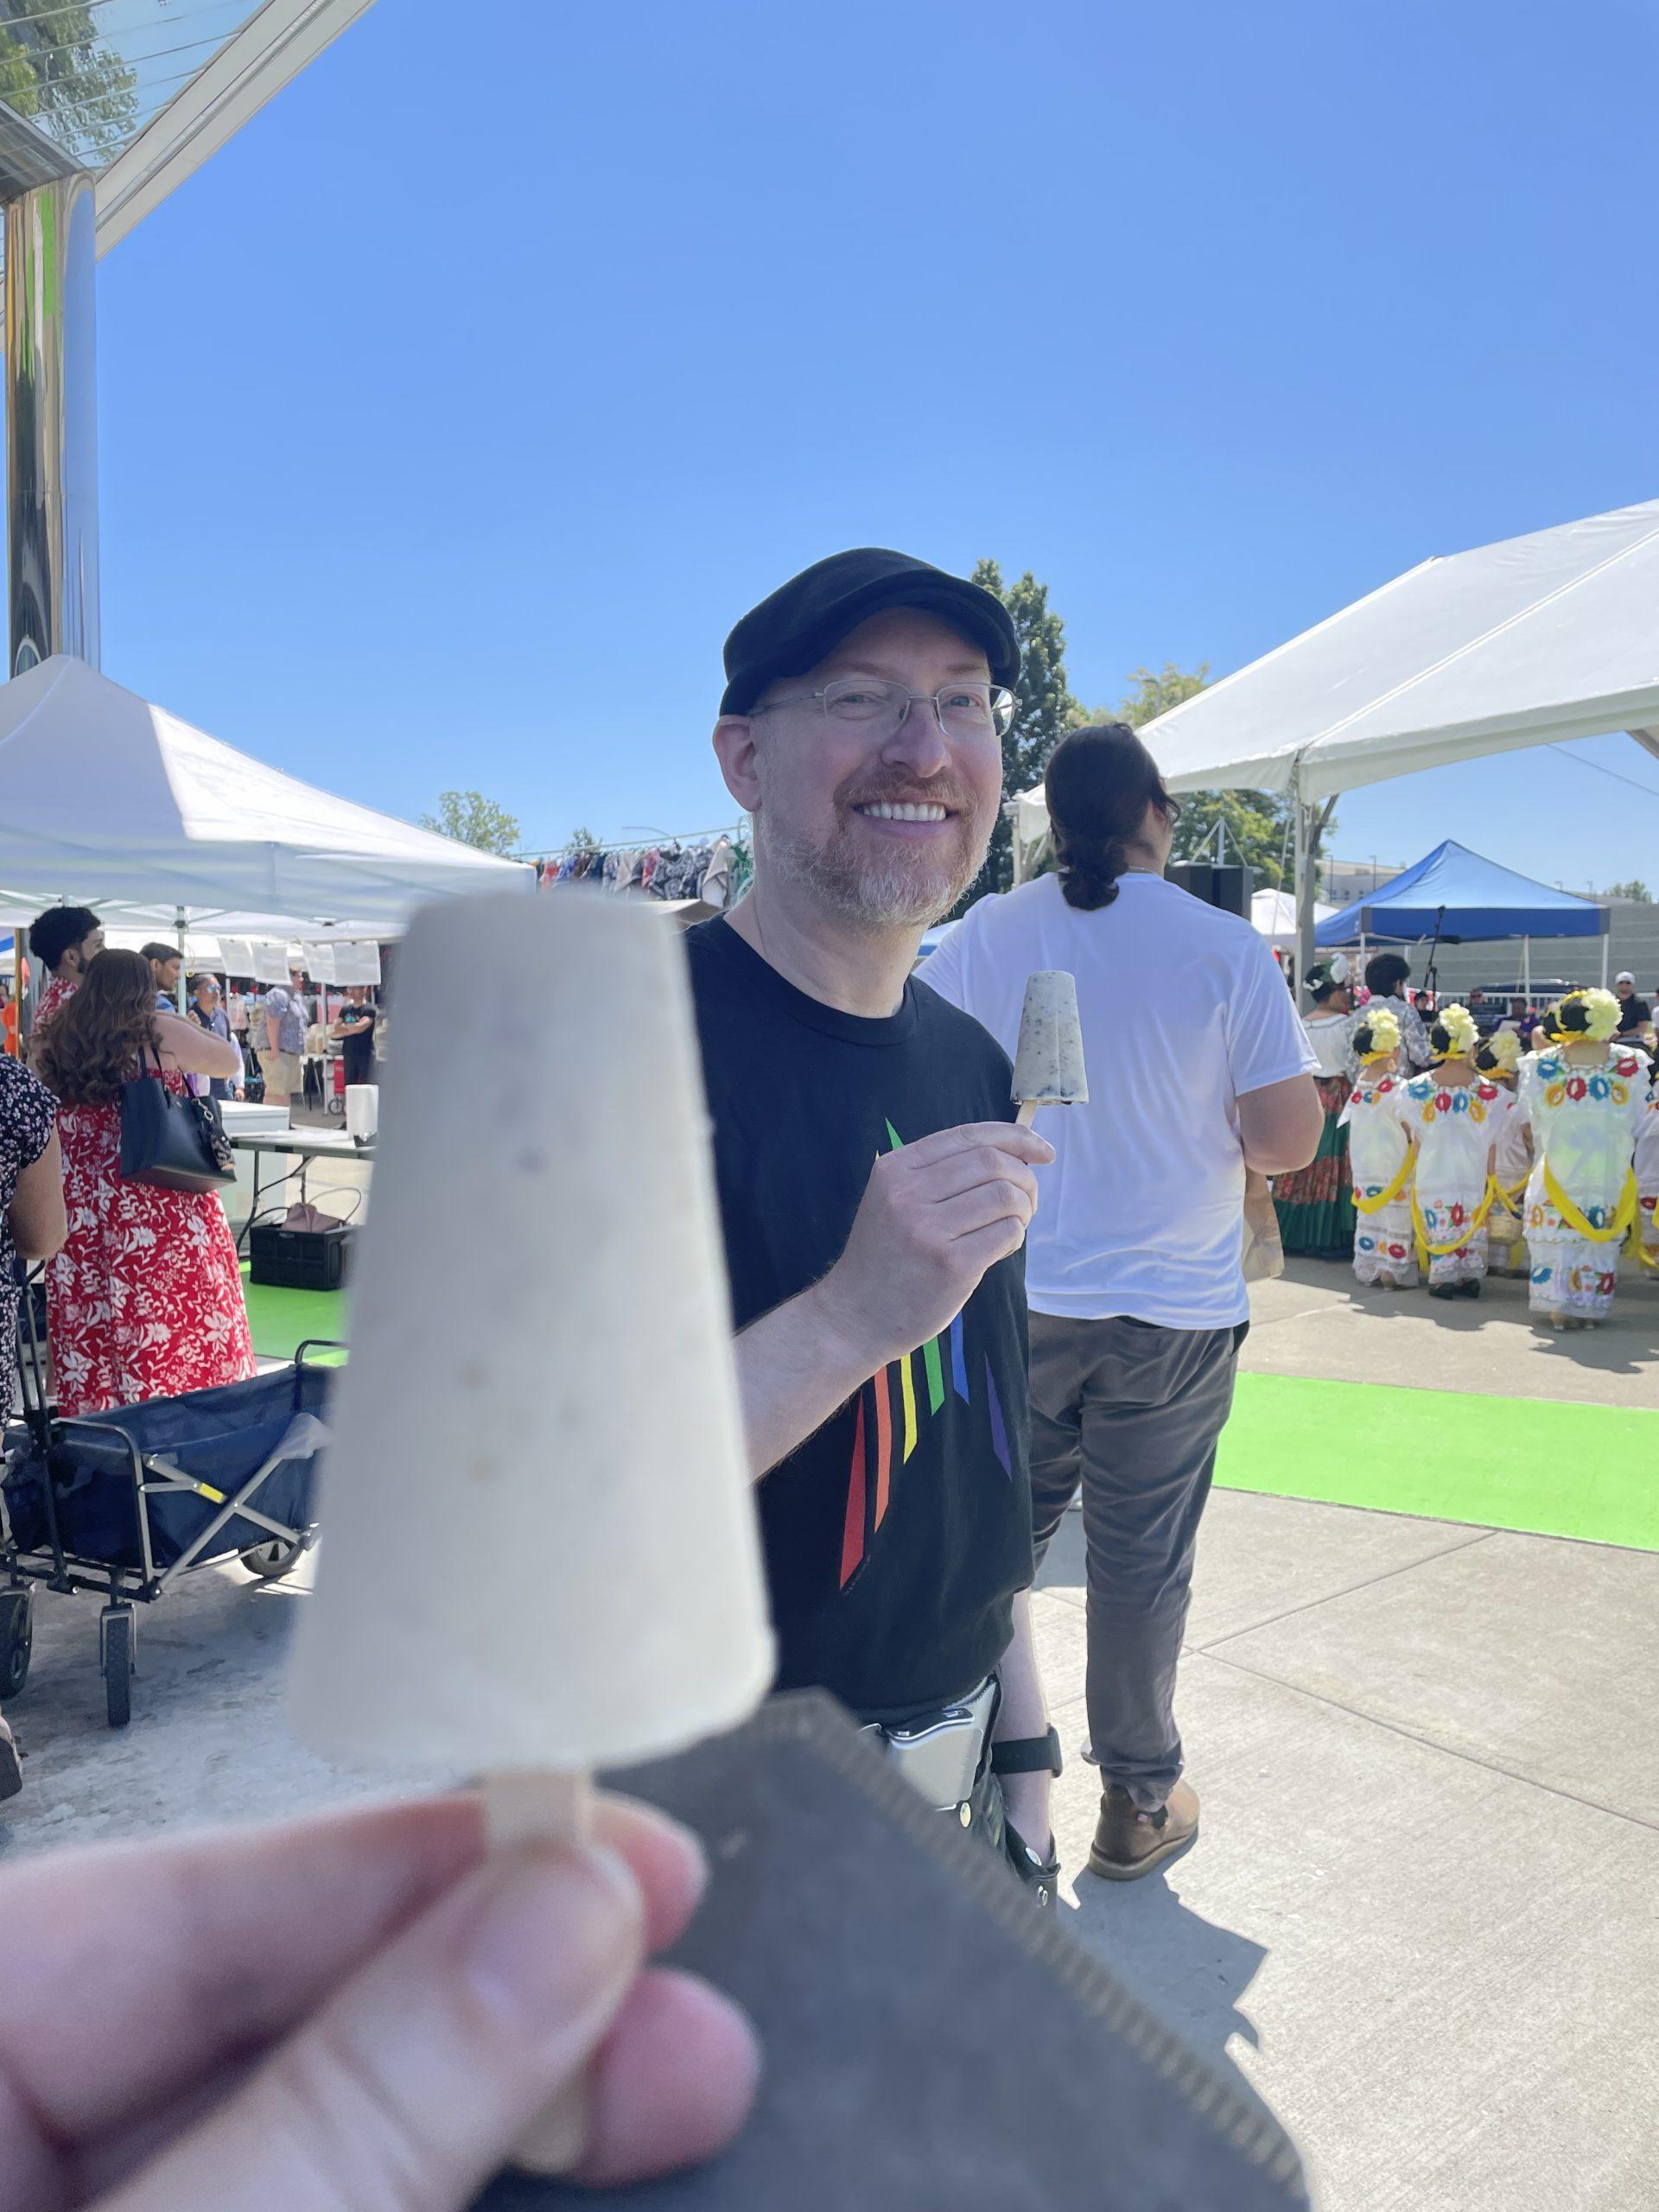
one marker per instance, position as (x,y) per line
(56,68)
(472,819)
(1044,711)
(1635,890)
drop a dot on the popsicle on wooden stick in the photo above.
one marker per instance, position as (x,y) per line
(538,1550)
(1048,1068)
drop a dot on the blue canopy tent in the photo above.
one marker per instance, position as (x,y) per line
(1453,894)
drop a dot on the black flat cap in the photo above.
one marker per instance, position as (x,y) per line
(809,616)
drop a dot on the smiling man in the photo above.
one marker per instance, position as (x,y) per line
(874,1185)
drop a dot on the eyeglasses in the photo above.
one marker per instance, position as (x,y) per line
(861,701)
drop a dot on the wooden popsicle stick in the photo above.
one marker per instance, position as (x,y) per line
(542,1808)
(1028,1113)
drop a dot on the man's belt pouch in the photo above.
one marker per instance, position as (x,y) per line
(940,1755)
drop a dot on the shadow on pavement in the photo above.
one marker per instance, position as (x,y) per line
(1627,1343)
(1192,1972)
(206,1740)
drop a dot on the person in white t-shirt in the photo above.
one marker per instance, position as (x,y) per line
(1198,1067)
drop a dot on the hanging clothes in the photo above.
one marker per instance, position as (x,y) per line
(715,888)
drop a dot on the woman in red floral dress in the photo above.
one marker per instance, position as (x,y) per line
(144,1301)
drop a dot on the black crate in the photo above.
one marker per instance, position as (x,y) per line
(299,1259)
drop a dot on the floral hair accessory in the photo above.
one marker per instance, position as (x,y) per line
(1584,1017)
(1457,1026)
(1502,1052)
(1377,1037)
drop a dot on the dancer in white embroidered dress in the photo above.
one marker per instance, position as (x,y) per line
(1646,1184)
(1379,1147)
(1585,1096)
(1498,1059)
(1456,1114)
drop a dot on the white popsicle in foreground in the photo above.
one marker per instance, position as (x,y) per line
(538,1547)
(1048,1068)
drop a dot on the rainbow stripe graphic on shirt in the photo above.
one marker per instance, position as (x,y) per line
(891,1411)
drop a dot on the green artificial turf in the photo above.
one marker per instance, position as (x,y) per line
(1534,1463)
(1554,1469)
(281,1321)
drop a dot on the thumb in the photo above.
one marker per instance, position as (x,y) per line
(406,2092)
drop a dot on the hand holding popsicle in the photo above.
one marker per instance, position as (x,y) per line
(935,1217)
(397,2007)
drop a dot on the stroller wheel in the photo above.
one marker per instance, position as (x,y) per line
(271,1562)
(16,1639)
(115,1626)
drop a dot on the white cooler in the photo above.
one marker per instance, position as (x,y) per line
(243,1120)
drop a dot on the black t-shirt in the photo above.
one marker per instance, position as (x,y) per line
(1633,1014)
(898,1535)
(357,1046)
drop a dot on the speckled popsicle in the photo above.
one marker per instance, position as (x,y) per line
(1048,1069)
(538,1550)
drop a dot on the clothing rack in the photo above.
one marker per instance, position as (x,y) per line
(736,831)
(713,866)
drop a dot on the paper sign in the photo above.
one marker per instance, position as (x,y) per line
(357,963)
(269,960)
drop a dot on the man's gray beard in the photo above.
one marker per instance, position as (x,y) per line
(896,897)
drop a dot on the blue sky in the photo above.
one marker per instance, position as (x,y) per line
(455,411)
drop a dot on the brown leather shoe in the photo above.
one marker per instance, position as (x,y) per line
(1130,1843)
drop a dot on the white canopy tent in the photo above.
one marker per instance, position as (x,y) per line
(106,798)
(1273,915)
(1534,640)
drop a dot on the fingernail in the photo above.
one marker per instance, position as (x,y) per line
(560,1935)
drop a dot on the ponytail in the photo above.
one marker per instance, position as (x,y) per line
(1100,783)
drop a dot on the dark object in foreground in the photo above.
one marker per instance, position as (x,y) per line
(933,2040)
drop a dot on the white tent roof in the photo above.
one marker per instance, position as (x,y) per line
(1273,915)
(104,797)
(1532,641)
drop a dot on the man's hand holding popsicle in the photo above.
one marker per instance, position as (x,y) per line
(935,1217)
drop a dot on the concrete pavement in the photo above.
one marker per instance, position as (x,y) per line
(1316,1319)
(1422,1919)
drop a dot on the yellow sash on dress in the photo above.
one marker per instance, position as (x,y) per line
(1386,1197)
(1426,1251)
(1624,1213)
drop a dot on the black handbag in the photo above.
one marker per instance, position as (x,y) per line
(177,1144)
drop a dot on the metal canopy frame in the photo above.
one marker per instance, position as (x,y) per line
(255,63)
(63,211)
(267,53)
(28,158)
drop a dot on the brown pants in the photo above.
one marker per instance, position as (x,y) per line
(1130,1414)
